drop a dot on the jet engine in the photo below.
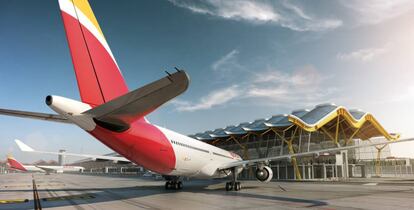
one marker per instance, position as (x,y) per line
(264,174)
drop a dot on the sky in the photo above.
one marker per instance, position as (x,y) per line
(246,60)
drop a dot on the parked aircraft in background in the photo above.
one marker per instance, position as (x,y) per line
(16,165)
(26,148)
(116,116)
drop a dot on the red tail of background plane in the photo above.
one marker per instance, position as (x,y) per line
(14,164)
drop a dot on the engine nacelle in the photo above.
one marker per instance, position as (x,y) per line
(265,174)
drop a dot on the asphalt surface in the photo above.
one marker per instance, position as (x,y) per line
(71,191)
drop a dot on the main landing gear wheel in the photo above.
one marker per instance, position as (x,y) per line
(229,186)
(173,185)
(236,186)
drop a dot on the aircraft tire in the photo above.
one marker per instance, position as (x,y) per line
(229,186)
(237,186)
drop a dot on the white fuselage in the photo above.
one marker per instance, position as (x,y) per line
(195,158)
(56,169)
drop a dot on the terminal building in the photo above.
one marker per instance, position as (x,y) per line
(324,126)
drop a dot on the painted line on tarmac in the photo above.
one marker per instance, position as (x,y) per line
(70,197)
(283,189)
(13,201)
(371,184)
(16,186)
(36,198)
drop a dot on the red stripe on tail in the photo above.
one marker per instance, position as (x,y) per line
(15,164)
(98,76)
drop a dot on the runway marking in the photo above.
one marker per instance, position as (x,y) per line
(284,190)
(371,184)
(36,198)
(14,201)
(16,186)
(70,197)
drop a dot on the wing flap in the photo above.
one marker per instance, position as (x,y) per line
(138,103)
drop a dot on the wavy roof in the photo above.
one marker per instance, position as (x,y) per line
(353,124)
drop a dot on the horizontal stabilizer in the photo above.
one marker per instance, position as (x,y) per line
(34,115)
(118,113)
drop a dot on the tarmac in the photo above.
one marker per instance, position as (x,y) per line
(74,191)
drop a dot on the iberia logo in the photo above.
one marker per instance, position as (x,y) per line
(234,155)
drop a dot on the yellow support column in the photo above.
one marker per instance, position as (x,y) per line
(293,159)
(337,131)
(378,171)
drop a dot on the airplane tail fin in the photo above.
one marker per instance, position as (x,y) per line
(14,164)
(97,73)
(23,147)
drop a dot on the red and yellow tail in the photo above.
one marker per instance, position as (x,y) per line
(14,164)
(98,75)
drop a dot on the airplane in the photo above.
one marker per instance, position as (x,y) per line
(26,148)
(116,116)
(16,165)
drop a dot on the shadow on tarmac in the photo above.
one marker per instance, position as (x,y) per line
(78,196)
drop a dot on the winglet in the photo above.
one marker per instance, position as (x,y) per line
(23,147)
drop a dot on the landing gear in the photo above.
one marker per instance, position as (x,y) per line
(237,186)
(173,185)
(234,184)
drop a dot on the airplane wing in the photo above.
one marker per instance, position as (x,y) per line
(25,148)
(245,163)
(34,115)
(125,109)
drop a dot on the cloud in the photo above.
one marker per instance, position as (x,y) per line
(214,98)
(302,87)
(282,13)
(365,55)
(226,62)
(406,94)
(377,11)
